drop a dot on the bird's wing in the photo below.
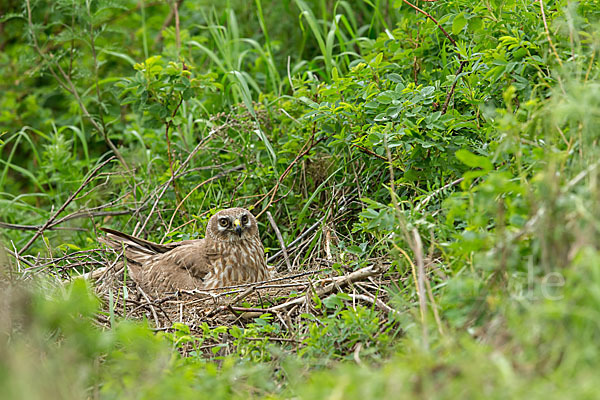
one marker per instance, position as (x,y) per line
(183,267)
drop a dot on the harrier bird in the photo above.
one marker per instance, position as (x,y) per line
(230,254)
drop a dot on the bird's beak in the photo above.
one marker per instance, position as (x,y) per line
(237,225)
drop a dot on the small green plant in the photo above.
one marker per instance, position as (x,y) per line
(345,331)
(157,91)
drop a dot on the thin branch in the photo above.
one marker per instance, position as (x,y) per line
(167,126)
(19,257)
(451,92)
(66,203)
(434,307)
(298,239)
(308,146)
(177,33)
(70,87)
(380,304)
(166,23)
(463,62)
(281,242)
(418,252)
(95,58)
(436,192)
(415,244)
(91,214)
(37,227)
(548,33)
(165,185)
(426,14)
(150,305)
(218,176)
(338,282)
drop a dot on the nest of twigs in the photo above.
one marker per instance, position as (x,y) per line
(285,297)
(296,290)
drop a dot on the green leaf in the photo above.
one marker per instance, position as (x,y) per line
(473,160)
(458,23)
(334,74)
(181,328)
(394,78)
(476,24)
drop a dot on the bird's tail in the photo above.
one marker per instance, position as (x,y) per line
(136,249)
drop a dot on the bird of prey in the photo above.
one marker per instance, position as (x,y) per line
(231,253)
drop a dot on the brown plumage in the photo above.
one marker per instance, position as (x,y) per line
(230,254)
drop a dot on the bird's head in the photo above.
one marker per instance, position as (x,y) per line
(232,224)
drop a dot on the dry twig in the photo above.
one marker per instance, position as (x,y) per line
(281,242)
(91,175)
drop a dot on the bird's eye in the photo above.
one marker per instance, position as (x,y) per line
(223,222)
(244,219)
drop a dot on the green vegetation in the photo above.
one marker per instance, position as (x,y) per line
(453,142)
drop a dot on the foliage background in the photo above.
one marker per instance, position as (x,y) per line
(471,123)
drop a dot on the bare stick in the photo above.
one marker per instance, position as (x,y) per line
(355,276)
(69,200)
(368,151)
(36,227)
(436,314)
(237,298)
(256,284)
(304,151)
(281,242)
(298,239)
(415,244)
(462,64)
(150,305)
(177,34)
(89,213)
(166,23)
(99,273)
(167,183)
(451,92)
(380,304)
(95,58)
(435,193)
(18,257)
(289,75)
(418,251)
(427,15)
(217,176)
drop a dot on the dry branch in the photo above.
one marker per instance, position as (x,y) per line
(451,91)
(337,282)
(91,175)
(308,146)
(281,242)
(298,239)
(37,227)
